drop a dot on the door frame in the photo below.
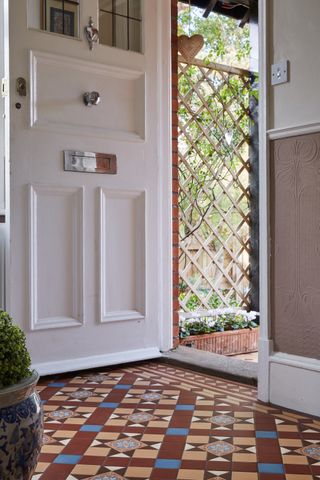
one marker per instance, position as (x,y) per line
(5,151)
(265,342)
(165,151)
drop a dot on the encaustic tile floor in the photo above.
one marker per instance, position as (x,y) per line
(158,422)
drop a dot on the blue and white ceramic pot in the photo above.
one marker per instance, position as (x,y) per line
(21,429)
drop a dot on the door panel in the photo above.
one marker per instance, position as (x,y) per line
(87,249)
(56,99)
(56,256)
(122,245)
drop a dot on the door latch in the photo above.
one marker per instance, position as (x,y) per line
(21,87)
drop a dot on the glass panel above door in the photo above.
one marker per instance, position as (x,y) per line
(56,16)
(120,24)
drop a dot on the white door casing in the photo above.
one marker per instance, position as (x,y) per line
(4,153)
(90,256)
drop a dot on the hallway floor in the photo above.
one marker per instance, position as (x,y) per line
(159,422)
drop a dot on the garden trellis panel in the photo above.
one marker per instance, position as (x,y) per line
(214,190)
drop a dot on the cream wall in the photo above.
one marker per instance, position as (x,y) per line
(294,34)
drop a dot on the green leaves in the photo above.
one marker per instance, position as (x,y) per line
(225,41)
(220,322)
(14,357)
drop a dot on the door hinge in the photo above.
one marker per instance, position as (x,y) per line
(4,87)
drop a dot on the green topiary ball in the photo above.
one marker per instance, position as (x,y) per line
(14,356)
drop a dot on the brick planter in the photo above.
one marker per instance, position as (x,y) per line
(233,342)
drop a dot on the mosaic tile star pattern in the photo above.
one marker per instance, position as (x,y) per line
(125,444)
(158,422)
(140,417)
(223,420)
(220,449)
(312,451)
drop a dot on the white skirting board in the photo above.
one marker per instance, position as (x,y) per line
(84,363)
(295,383)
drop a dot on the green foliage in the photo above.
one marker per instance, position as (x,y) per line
(14,357)
(225,41)
(194,301)
(215,118)
(222,321)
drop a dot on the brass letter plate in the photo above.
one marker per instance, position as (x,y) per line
(90,162)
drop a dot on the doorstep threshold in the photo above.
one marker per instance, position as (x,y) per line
(213,364)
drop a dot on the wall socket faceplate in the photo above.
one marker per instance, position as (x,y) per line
(280,72)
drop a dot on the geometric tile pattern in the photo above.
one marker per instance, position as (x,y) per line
(125,444)
(312,451)
(220,449)
(158,422)
(223,420)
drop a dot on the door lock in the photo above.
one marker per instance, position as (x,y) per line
(21,87)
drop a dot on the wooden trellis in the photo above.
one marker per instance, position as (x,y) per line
(214,199)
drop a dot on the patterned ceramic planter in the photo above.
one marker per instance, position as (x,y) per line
(233,342)
(21,429)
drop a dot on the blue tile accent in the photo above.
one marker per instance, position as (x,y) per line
(266,434)
(185,407)
(271,468)
(91,428)
(56,384)
(122,387)
(178,431)
(108,405)
(167,463)
(68,459)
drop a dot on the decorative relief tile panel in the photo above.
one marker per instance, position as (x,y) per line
(295,219)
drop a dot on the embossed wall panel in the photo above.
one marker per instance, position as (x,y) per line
(56,256)
(122,262)
(295,231)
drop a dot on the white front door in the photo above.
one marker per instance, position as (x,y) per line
(90,252)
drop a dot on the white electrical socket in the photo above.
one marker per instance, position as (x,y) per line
(280,72)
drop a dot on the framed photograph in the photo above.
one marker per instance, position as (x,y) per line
(61,17)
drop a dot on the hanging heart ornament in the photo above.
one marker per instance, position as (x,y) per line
(189,47)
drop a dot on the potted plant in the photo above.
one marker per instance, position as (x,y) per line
(226,331)
(21,425)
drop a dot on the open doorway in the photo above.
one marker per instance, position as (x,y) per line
(217,176)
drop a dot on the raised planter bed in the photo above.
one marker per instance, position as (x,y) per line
(232,342)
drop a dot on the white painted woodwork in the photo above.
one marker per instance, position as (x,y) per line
(294,382)
(4,153)
(265,345)
(52,84)
(56,256)
(90,260)
(2,111)
(123,255)
(72,365)
(3,248)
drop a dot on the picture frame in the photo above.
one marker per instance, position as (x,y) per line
(61,17)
